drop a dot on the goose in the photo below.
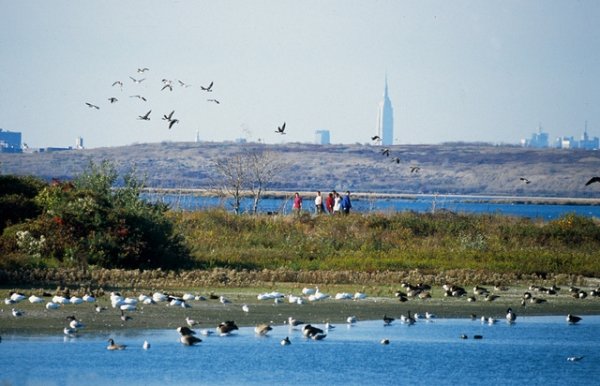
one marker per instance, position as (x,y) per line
(309,331)
(510,316)
(35,299)
(17,313)
(146,345)
(112,346)
(318,336)
(187,337)
(408,319)
(285,341)
(281,129)
(387,320)
(207,88)
(262,329)
(573,319)
(145,117)
(226,327)
(52,306)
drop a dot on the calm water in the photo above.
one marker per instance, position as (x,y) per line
(425,204)
(532,351)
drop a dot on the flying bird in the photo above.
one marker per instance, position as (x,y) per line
(112,99)
(396,160)
(145,117)
(168,85)
(118,82)
(592,180)
(91,106)
(385,152)
(182,84)
(168,117)
(213,100)
(525,180)
(172,122)
(281,129)
(375,138)
(138,96)
(141,70)
(414,169)
(137,80)
(208,88)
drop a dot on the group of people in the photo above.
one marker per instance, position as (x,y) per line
(334,203)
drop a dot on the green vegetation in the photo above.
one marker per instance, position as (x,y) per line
(90,223)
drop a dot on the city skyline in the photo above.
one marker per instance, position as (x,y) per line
(457,71)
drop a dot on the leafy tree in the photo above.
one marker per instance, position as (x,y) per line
(17,199)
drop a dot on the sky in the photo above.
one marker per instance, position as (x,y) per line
(464,70)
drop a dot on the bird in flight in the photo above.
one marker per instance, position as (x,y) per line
(138,96)
(117,83)
(145,117)
(592,180)
(375,138)
(182,84)
(525,180)
(168,117)
(208,88)
(213,100)
(385,152)
(141,70)
(112,99)
(396,160)
(281,129)
(414,169)
(172,122)
(91,106)
(168,85)
(137,80)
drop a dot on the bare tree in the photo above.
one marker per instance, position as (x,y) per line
(263,167)
(234,175)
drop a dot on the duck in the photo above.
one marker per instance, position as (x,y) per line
(285,341)
(227,327)
(146,345)
(573,319)
(318,336)
(385,341)
(262,329)
(510,316)
(309,331)
(112,346)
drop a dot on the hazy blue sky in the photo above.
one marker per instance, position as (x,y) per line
(457,70)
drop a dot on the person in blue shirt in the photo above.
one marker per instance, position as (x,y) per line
(346,204)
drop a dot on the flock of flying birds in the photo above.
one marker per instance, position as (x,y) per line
(167,84)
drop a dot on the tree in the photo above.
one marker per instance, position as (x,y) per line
(263,167)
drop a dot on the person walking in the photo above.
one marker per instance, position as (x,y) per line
(297,207)
(318,203)
(337,203)
(346,204)
(329,201)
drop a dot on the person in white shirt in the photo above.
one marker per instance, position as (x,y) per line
(318,203)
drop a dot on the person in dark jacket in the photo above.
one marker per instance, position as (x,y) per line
(346,204)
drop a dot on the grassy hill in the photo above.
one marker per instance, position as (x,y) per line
(443,169)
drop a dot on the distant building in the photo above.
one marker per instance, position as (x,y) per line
(322,137)
(10,142)
(588,143)
(79,143)
(537,140)
(385,119)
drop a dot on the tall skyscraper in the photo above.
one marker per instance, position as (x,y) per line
(385,119)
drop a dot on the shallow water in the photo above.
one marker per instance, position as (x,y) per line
(532,351)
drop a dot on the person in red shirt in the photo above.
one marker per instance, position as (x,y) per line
(297,207)
(329,203)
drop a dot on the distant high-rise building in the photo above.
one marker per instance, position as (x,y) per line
(537,140)
(79,143)
(322,137)
(385,119)
(10,141)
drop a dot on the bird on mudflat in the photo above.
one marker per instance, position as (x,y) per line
(112,346)
(592,180)
(92,106)
(145,117)
(281,129)
(191,322)
(207,88)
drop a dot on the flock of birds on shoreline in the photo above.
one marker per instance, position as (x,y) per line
(188,336)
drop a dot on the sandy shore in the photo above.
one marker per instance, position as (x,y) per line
(37,319)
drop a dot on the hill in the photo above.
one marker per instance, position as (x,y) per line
(443,169)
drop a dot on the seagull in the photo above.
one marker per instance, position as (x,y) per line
(145,117)
(138,96)
(414,169)
(91,106)
(137,80)
(168,117)
(141,70)
(117,83)
(592,180)
(185,85)
(209,88)
(191,322)
(17,313)
(281,129)
(224,300)
(245,308)
(351,319)
(375,138)
(112,346)
(385,152)
(294,322)
(525,180)
(213,100)
(167,86)
(572,319)
(112,99)
(385,341)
